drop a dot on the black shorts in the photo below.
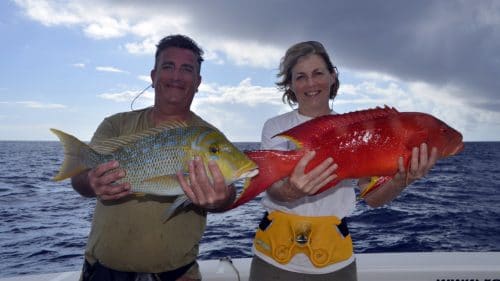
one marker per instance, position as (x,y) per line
(98,272)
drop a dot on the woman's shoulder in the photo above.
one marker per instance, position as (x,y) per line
(282,119)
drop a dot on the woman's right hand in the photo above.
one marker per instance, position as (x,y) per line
(301,184)
(315,179)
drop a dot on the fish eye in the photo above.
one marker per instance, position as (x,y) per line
(213,149)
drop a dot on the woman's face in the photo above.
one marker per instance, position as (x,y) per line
(311,83)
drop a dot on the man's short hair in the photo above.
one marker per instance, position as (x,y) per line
(179,41)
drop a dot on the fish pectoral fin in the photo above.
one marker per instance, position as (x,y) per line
(181,202)
(374,184)
(166,180)
(139,194)
(298,143)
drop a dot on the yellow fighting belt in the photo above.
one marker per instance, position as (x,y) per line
(319,238)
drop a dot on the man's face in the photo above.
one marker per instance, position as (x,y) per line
(176,77)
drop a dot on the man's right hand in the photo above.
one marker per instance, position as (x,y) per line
(101,181)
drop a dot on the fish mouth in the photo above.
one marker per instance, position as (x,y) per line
(453,150)
(249,174)
(247,171)
(458,149)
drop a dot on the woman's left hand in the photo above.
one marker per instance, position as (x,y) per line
(420,164)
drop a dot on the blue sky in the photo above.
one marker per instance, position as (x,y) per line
(69,64)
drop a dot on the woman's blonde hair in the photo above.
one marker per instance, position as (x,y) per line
(292,55)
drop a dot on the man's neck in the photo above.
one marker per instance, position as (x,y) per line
(158,116)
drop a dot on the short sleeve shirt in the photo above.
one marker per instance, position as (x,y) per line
(338,201)
(129,234)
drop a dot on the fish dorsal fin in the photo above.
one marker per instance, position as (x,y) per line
(311,133)
(110,145)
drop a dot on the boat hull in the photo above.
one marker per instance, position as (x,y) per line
(419,266)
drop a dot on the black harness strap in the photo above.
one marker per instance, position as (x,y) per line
(265,222)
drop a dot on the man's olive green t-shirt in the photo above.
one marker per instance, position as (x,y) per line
(129,234)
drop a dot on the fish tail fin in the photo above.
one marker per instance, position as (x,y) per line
(181,202)
(274,165)
(74,151)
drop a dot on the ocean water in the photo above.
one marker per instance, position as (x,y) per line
(44,224)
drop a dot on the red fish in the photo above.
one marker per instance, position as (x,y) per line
(363,143)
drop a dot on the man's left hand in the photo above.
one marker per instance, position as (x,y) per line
(212,196)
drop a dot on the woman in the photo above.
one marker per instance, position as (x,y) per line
(310,80)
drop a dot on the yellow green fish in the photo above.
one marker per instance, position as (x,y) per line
(152,157)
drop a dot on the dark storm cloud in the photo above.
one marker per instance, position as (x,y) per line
(444,43)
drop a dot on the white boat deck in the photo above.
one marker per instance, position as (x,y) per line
(425,266)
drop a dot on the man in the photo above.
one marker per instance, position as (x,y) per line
(126,242)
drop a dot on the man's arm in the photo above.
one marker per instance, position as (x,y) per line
(81,185)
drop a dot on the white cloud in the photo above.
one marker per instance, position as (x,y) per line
(106,20)
(109,19)
(213,56)
(244,93)
(448,106)
(431,44)
(145,78)
(147,46)
(110,69)
(372,75)
(79,65)
(254,54)
(51,13)
(157,23)
(442,102)
(128,96)
(106,27)
(374,91)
